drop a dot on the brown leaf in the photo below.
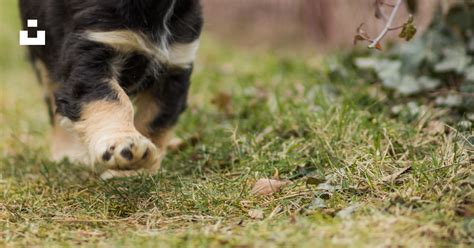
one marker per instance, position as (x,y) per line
(378,46)
(435,127)
(223,101)
(358,38)
(256,214)
(361,35)
(465,209)
(315,180)
(392,177)
(267,186)
(361,31)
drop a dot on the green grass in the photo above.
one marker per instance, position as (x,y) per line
(290,115)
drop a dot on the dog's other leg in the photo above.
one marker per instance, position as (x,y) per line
(64,143)
(159,108)
(100,111)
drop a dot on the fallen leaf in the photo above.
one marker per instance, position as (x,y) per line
(223,101)
(301,171)
(328,187)
(267,186)
(465,209)
(315,180)
(256,214)
(392,177)
(435,127)
(347,212)
(464,125)
(317,203)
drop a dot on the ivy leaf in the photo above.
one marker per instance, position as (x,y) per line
(409,30)
(408,85)
(455,60)
(470,46)
(470,73)
(391,76)
(460,16)
(429,83)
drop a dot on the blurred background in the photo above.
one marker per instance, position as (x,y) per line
(440,56)
(324,25)
(284,25)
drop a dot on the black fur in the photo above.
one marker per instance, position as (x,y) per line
(80,66)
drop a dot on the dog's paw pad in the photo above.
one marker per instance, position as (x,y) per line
(127,153)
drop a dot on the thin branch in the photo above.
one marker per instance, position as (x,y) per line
(388,25)
(395,28)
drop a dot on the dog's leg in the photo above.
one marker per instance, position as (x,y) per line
(107,128)
(147,110)
(93,104)
(159,108)
(65,144)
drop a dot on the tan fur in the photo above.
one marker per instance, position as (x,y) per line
(126,41)
(65,144)
(147,110)
(105,124)
(102,118)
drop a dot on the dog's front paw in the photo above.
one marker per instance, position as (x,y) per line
(126,152)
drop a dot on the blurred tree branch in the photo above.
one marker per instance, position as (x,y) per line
(408,28)
(389,23)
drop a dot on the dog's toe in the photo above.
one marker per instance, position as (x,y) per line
(127,153)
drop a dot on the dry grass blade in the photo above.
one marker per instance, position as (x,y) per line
(394,176)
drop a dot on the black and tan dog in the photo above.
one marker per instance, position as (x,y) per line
(101,58)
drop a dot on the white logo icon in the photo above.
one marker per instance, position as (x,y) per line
(39,40)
